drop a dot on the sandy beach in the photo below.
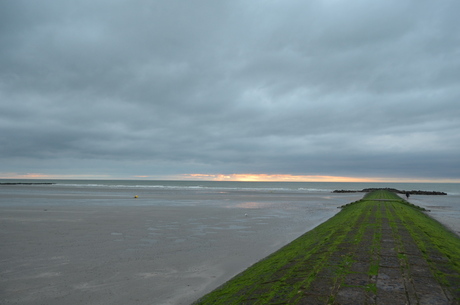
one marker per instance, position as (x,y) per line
(128,255)
(73,247)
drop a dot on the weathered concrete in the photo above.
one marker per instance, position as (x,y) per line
(404,274)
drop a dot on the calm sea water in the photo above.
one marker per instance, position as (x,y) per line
(268,195)
(298,187)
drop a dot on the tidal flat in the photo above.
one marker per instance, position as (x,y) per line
(73,246)
(93,243)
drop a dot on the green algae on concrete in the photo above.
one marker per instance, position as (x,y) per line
(379,249)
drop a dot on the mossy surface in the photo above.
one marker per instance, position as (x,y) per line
(351,255)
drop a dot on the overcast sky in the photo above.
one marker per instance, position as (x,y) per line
(119,89)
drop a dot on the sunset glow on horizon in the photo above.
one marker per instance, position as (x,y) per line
(229,177)
(275,178)
(303,178)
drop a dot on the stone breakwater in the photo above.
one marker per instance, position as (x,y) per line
(368,190)
(379,250)
(25,183)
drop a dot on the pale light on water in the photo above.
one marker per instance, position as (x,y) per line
(236,194)
(450,188)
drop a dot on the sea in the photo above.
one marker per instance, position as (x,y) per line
(238,194)
(295,187)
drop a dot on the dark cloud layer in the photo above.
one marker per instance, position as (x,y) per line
(362,89)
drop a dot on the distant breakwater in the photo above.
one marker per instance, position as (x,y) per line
(25,183)
(368,190)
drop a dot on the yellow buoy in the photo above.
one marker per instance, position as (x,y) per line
(135,196)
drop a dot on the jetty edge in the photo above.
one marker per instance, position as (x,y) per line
(377,250)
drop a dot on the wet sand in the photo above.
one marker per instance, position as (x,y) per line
(162,254)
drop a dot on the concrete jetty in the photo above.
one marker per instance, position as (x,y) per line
(379,250)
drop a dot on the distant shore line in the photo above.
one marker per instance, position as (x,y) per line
(367,190)
(25,183)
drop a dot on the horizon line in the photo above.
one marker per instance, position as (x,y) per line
(231,177)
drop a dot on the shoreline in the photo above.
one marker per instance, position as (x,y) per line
(108,254)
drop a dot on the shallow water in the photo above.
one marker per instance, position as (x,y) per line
(94,243)
(445,209)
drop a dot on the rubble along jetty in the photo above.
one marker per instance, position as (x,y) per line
(368,190)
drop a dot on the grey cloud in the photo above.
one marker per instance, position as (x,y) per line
(318,87)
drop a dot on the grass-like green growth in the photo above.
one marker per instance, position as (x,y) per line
(325,255)
(439,246)
(290,269)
